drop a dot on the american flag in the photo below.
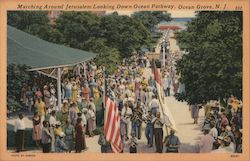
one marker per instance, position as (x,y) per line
(112,122)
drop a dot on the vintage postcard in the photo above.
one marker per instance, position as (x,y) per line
(164,80)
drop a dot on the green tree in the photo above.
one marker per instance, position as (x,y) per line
(78,27)
(151,18)
(35,23)
(124,33)
(108,57)
(212,69)
(24,20)
(16,76)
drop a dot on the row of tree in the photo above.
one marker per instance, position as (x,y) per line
(212,69)
(112,36)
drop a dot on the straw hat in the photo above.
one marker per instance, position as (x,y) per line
(61,134)
(58,123)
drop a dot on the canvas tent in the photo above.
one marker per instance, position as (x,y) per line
(42,56)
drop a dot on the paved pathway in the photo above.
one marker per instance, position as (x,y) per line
(187,132)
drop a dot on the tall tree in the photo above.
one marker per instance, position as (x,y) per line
(151,18)
(35,23)
(24,20)
(124,33)
(107,56)
(78,27)
(212,69)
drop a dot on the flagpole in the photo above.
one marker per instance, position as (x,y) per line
(160,97)
(103,97)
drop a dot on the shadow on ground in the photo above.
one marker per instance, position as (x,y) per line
(188,148)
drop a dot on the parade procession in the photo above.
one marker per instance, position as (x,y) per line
(102,90)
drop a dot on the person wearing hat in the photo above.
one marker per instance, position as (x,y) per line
(46,96)
(126,114)
(105,145)
(74,92)
(46,137)
(223,132)
(38,93)
(149,131)
(68,89)
(172,142)
(69,132)
(194,109)
(41,109)
(142,94)
(133,143)
(80,143)
(92,104)
(84,120)
(224,145)
(60,146)
(154,105)
(151,81)
(230,133)
(137,88)
(96,95)
(86,92)
(166,85)
(37,130)
(52,121)
(158,132)
(19,129)
(213,131)
(91,86)
(144,83)
(206,141)
(149,96)
(73,113)
(91,121)
(58,129)
(65,111)
(137,120)
(224,120)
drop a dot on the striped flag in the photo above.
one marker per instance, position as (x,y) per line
(112,122)
(167,116)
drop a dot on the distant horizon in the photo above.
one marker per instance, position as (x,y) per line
(174,14)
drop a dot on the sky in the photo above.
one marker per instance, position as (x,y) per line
(174,14)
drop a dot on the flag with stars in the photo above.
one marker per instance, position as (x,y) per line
(112,121)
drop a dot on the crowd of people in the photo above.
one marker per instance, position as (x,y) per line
(63,129)
(222,128)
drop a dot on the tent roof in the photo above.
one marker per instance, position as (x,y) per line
(32,51)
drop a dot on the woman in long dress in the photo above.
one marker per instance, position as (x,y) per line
(96,95)
(65,111)
(80,143)
(69,136)
(91,121)
(37,131)
(46,96)
(68,90)
(74,92)
(194,109)
(86,92)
